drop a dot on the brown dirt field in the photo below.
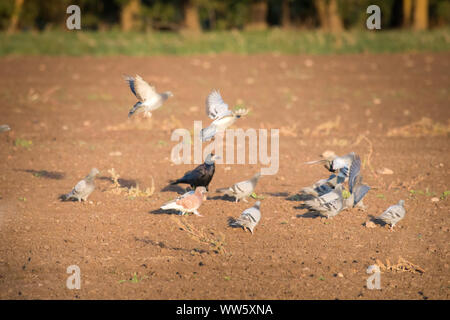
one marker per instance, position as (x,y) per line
(74,110)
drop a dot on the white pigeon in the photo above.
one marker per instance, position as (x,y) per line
(4,127)
(149,99)
(393,214)
(249,218)
(83,188)
(243,189)
(329,204)
(218,110)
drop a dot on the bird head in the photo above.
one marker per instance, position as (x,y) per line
(94,172)
(257,204)
(169,93)
(211,158)
(401,203)
(201,191)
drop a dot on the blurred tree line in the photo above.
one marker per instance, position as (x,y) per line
(201,15)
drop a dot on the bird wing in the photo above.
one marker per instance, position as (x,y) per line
(355,169)
(215,106)
(360,191)
(80,186)
(141,89)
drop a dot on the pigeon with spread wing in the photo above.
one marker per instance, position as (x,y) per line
(218,110)
(149,99)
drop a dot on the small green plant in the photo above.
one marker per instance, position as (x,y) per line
(346,194)
(23,143)
(22,199)
(255,196)
(445,194)
(134,279)
(321,278)
(381,196)
(228,278)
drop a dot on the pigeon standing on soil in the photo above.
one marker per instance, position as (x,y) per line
(83,188)
(218,110)
(149,99)
(243,189)
(393,214)
(188,202)
(4,127)
(249,218)
(357,189)
(328,205)
(200,176)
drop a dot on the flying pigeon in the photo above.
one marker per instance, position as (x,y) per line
(200,176)
(249,218)
(218,110)
(188,202)
(149,99)
(393,214)
(83,188)
(328,205)
(243,189)
(4,127)
(357,189)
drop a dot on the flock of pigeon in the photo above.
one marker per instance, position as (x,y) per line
(325,197)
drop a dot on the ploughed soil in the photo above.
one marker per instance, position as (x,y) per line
(69,114)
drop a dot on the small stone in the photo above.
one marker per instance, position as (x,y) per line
(385,171)
(340,275)
(369,224)
(434,199)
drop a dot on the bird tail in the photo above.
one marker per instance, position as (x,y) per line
(172,182)
(208,133)
(135,108)
(226,191)
(65,197)
(169,205)
(244,223)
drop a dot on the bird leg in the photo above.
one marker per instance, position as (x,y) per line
(197,213)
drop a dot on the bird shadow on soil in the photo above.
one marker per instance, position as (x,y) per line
(310,214)
(299,197)
(174,188)
(376,221)
(276,194)
(44,173)
(161,211)
(124,183)
(223,197)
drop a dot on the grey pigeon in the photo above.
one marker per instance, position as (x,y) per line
(393,214)
(243,189)
(149,99)
(83,188)
(321,187)
(328,205)
(357,189)
(341,164)
(249,218)
(218,110)
(4,127)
